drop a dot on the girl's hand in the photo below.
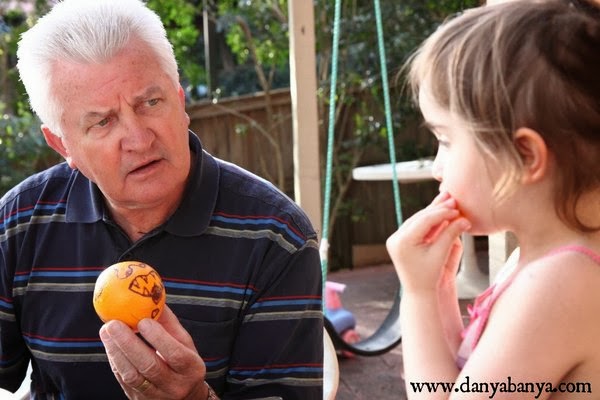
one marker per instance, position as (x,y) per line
(426,249)
(450,269)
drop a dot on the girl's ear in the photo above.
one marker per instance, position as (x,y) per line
(56,143)
(534,153)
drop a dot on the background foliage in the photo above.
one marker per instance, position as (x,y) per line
(22,147)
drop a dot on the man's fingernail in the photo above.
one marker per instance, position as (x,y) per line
(104,334)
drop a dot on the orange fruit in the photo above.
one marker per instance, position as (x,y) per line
(129,291)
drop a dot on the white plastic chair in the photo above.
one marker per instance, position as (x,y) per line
(331,370)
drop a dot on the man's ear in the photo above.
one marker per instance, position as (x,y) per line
(181,94)
(533,150)
(56,143)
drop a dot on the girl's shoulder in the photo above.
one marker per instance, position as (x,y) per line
(559,294)
(546,321)
(561,287)
(558,275)
(564,268)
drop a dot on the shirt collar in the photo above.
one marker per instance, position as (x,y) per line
(85,203)
(192,217)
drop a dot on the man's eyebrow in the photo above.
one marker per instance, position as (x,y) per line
(94,115)
(148,93)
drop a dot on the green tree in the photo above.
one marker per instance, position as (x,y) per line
(23,150)
(182,22)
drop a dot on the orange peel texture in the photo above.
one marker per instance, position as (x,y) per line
(129,291)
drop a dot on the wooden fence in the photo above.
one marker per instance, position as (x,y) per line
(238,130)
(233,129)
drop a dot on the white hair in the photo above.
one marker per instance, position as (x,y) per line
(88,32)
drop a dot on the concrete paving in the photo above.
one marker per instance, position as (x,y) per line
(368,295)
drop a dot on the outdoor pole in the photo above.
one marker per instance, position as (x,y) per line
(210,52)
(303,88)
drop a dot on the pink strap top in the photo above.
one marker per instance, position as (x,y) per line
(482,307)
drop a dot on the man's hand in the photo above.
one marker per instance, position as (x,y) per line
(170,369)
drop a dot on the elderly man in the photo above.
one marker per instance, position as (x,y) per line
(238,258)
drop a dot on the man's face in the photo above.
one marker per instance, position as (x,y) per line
(124,127)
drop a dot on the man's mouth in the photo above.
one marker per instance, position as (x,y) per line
(144,167)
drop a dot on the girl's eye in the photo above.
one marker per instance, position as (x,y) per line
(443,143)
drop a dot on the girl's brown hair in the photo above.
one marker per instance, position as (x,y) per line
(533,64)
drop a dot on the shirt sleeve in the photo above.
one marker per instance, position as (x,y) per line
(279,349)
(14,355)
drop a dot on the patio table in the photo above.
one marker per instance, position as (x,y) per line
(470,280)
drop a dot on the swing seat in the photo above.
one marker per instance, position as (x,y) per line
(341,319)
(385,338)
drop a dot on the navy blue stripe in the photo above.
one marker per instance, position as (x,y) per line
(65,344)
(207,288)
(259,221)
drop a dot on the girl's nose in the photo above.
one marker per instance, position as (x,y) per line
(437,169)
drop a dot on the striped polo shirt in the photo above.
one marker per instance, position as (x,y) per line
(239,262)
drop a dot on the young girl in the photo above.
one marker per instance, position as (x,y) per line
(512,93)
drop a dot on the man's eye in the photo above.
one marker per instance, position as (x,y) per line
(153,102)
(103,123)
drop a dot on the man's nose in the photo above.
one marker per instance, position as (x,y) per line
(138,136)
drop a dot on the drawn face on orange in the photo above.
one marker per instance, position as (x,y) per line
(148,285)
(129,291)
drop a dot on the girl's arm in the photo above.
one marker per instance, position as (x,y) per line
(426,353)
(424,252)
(448,299)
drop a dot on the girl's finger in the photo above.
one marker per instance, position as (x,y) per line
(440,198)
(455,253)
(435,231)
(453,231)
(425,222)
